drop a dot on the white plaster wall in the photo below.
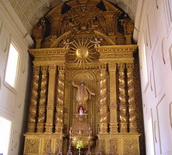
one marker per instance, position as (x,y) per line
(153,31)
(12,104)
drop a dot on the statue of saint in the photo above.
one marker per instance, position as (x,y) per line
(39,29)
(82,95)
(80,111)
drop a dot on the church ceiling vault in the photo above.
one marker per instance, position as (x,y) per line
(33,10)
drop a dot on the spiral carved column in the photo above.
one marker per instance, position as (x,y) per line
(131,98)
(60,101)
(42,100)
(122,99)
(51,99)
(103,100)
(34,98)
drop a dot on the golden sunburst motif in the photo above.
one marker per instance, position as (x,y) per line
(82,50)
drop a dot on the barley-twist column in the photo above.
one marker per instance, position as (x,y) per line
(122,99)
(60,100)
(51,99)
(103,100)
(42,100)
(34,98)
(113,103)
(131,98)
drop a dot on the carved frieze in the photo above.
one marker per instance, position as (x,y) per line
(130,148)
(32,146)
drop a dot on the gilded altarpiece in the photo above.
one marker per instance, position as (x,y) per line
(83,92)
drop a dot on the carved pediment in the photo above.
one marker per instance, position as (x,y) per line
(82,19)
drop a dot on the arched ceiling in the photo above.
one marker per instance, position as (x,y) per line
(30,11)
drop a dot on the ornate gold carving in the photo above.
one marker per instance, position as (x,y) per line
(122,99)
(113,100)
(47,52)
(31,146)
(60,100)
(89,66)
(46,146)
(83,38)
(42,100)
(39,29)
(82,52)
(54,58)
(128,26)
(102,145)
(38,32)
(130,148)
(117,49)
(114,145)
(51,99)
(48,57)
(131,98)
(103,100)
(34,97)
(117,53)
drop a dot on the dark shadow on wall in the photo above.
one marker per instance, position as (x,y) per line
(139,109)
(26,107)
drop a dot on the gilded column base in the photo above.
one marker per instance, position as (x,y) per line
(103,128)
(31,127)
(49,128)
(113,128)
(58,128)
(38,43)
(119,144)
(41,144)
(40,127)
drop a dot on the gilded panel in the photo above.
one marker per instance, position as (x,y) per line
(32,146)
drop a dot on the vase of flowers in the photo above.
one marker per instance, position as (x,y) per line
(79,146)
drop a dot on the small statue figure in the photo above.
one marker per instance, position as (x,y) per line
(67,43)
(81,111)
(127,25)
(83,94)
(96,42)
(39,29)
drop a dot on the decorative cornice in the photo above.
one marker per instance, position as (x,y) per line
(117,49)
(48,56)
(44,52)
(117,53)
(72,66)
(48,63)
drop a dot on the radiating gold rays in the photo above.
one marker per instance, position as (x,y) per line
(83,50)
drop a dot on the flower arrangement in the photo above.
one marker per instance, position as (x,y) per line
(79,144)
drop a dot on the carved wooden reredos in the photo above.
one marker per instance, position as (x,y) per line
(88,41)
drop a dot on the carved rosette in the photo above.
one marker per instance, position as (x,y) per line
(103,100)
(34,102)
(122,99)
(42,100)
(131,98)
(60,100)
